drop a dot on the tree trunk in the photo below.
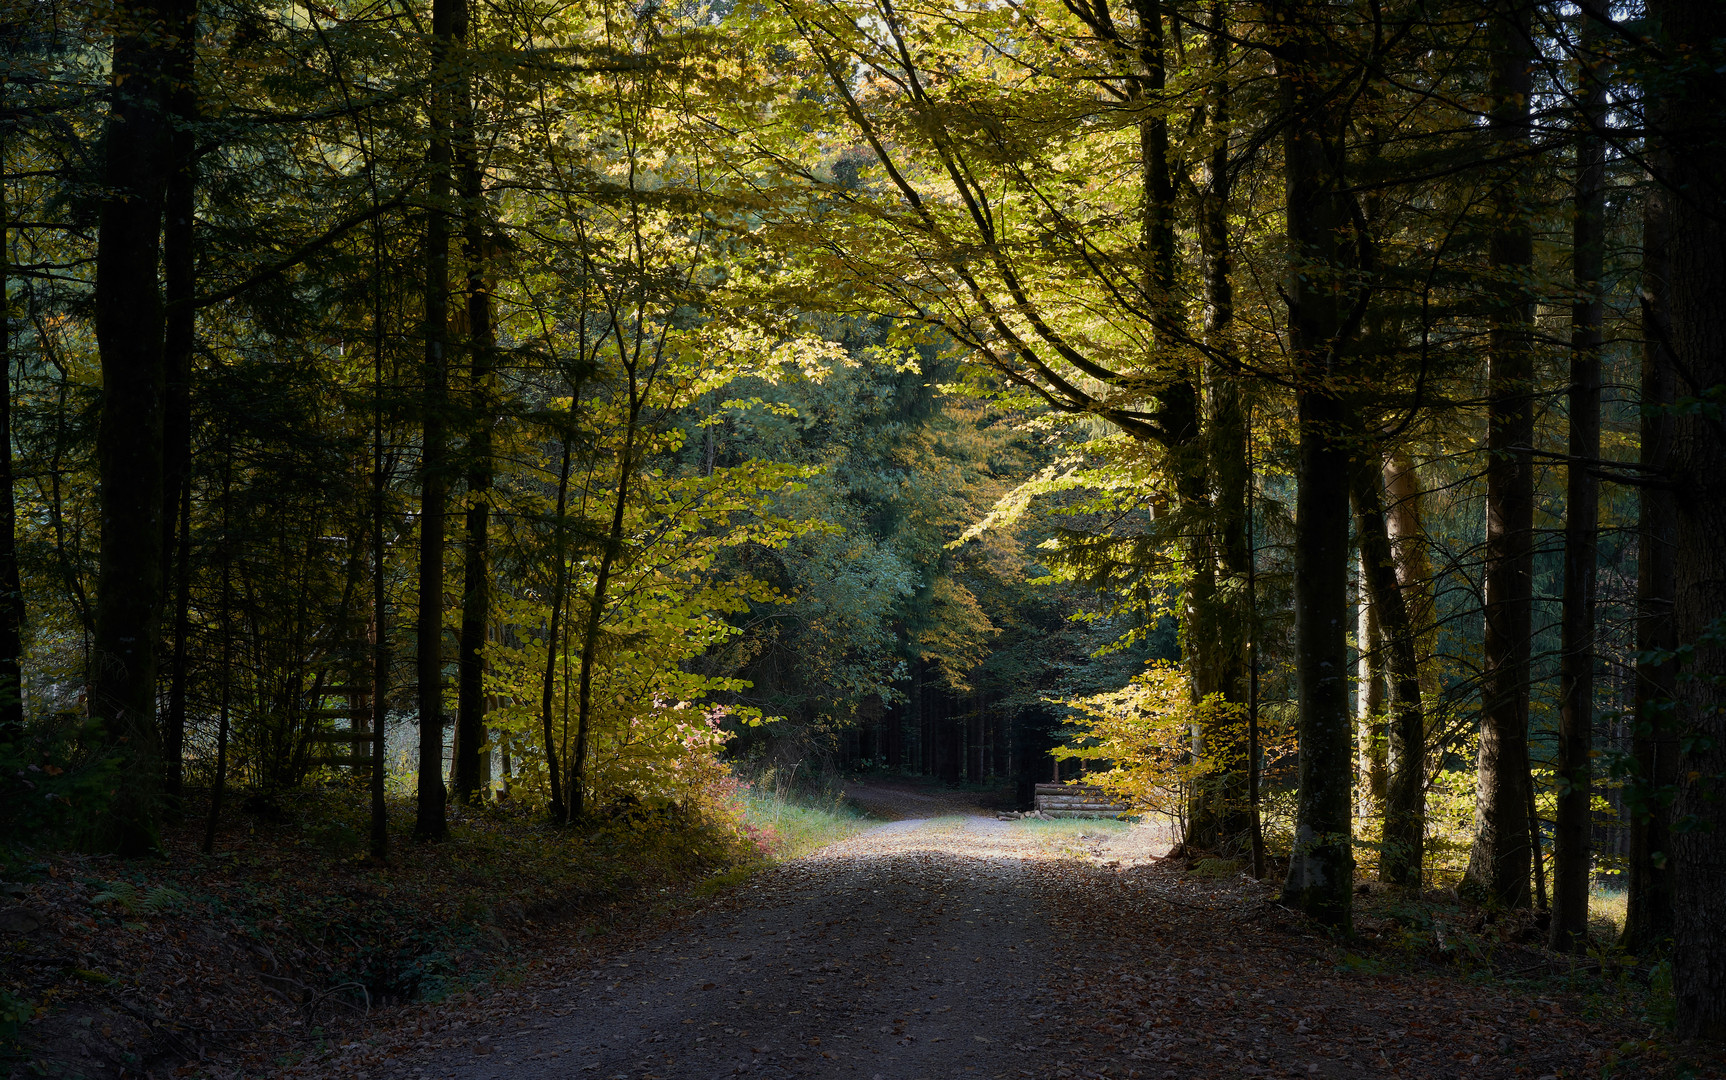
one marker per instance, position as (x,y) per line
(1572,844)
(379,839)
(129,450)
(974,747)
(219,788)
(1648,904)
(179,278)
(596,607)
(174,722)
(1225,631)
(554,633)
(1321,866)
(1370,675)
(1218,810)
(430,823)
(1694,145)
(952,735)
(12,611)
(470,732)
(1254,752)
(1402,835)
(1499,864)
(1404,524)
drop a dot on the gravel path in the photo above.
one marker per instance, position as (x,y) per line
(961,946)
(911,950)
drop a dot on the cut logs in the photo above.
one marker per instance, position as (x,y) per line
(1077,800)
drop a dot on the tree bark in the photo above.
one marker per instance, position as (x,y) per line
(1224,548)
(601,585)
(1321,866)
(1218,813)
(179,278)
(1648,904)
(1402,835)
(1499,863)
(1254,752)
(1572,844)
(951,732)
(470,732)
(179,674)
(1694,150)
(219,788)
(554,632)
(129,440)
(974,746)
(1403,522)
(12,613)
(379,838)
(1370,726)
(430,823)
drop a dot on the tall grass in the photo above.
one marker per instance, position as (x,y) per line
(1607,904)
(794,828)
(791,812)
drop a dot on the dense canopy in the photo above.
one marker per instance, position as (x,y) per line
(1301,419)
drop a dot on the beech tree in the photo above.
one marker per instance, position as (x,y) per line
(825,359)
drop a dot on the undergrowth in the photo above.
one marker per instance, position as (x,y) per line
(787,820)
(315,931)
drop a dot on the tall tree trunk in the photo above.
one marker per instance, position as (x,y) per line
(1694,148)
(554,632)
(1224,443)
(1499,864)
(12,611)
(1218,810)
(974,746)
(1648,903)
(1403,832)
(219,788)
(179,674)
(379,839)
(1405,525)
(1254,752)
(448,23)
(129,440)
(1405,802)
(179,279)
(952,735)
(470,733)
(1572,847)
(892,736)
(1321,866)
(1370,727)
(601,586)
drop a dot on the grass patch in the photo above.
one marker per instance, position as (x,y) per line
(725,879)
(788,826)
(1608,904)
(1073,828)
(1069,836)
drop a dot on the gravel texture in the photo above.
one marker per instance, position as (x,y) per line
(961,945)
(913,950)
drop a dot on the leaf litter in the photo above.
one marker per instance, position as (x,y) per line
(962,946)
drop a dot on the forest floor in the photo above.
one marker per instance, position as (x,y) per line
(949,943)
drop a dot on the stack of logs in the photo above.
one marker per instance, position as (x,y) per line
(1076,800)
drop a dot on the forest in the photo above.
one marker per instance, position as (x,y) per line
(1300,420)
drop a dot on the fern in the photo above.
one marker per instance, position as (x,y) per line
(135,901)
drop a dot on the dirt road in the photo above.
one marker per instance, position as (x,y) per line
(959,946)
(913,950)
